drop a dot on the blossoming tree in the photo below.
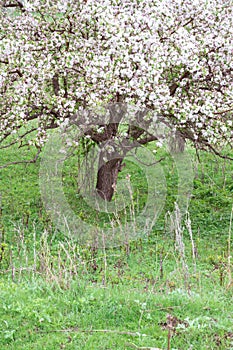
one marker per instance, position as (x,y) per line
(174,57)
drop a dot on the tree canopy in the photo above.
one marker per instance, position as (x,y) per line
(174,57)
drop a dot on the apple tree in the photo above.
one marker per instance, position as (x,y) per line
(173,58)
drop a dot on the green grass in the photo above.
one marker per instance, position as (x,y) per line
(57,294)
(37,316)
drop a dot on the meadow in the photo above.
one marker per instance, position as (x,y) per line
(169,289)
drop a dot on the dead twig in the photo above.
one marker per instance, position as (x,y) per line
(78,330)
(131,345)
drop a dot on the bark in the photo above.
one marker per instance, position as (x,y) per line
(177,143)
(107,178)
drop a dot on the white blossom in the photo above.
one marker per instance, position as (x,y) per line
(172,56)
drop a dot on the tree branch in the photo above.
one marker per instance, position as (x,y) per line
(173,87)
(56,86)
(22,161)
(223,112)
(17,4)
(147,139)
(4,62)
(19,138)
(217,153)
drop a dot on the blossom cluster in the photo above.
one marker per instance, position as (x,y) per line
(174,57)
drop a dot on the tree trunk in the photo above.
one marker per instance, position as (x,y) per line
(107,178)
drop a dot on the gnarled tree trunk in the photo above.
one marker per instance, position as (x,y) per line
(107,178)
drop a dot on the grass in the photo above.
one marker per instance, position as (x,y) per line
(36,315)
(171,289)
